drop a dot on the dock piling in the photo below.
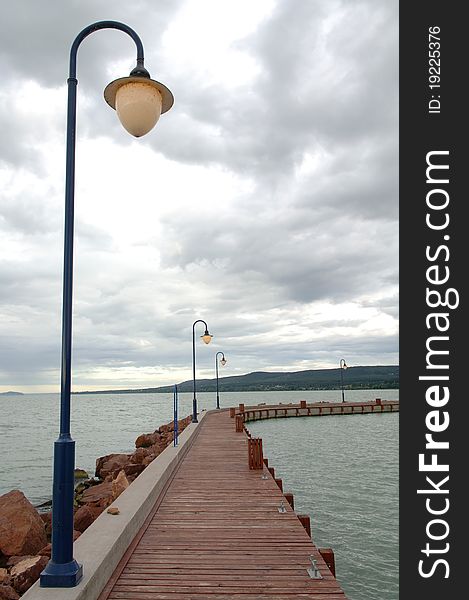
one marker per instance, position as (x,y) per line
(306,522)
(255,456)
(329,558)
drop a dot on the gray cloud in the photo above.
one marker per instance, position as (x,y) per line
(314,134)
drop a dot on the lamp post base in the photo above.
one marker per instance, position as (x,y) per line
(194,410)
(63,575)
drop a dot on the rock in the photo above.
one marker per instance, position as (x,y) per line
(113,511)
(147,439)
(132,470)
(167,438)
(183,423)
(165,434)
(98,495)
(26,572)
(148,459)
(106,465)
(81,487)
(96,510)
(8,593)
(80,474)
(119,485)
(46,551)
(100,461)
(14,560)
(167,428)
(4,577)
(47,520)
(22,530)
(139,454)
(83,518)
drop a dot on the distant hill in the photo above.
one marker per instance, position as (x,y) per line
(11,394)
(375,377)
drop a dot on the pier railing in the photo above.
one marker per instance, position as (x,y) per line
(245,414)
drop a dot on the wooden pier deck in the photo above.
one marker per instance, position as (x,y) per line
(216,532)
(314,409)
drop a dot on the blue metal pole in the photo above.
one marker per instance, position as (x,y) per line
(63,570)
(216,371)
(342,366)
(176,424)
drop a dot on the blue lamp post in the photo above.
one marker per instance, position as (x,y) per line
(139,101)
(343,366)
(207,338)
(223,363)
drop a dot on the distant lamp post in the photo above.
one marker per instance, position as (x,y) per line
(139,102)
(207,338)
(223,363)
(343,366)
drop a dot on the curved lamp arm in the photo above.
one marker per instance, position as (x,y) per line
(105,25)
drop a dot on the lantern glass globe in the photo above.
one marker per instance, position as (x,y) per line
(138,106)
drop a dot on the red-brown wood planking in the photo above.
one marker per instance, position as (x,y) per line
(217,533)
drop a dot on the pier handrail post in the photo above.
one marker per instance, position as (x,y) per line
(63,570)
(207,338)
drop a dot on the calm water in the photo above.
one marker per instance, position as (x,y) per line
(343,471)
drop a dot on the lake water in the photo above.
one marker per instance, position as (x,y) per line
(343,470)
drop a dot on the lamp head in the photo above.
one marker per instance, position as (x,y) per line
(343,364)
(207,337)
(223,362)
(138,100)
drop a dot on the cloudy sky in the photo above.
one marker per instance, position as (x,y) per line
(265,202)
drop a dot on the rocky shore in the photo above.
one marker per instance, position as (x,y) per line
(25,534)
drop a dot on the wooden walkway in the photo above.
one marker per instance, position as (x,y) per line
(315,409)
(217,533)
